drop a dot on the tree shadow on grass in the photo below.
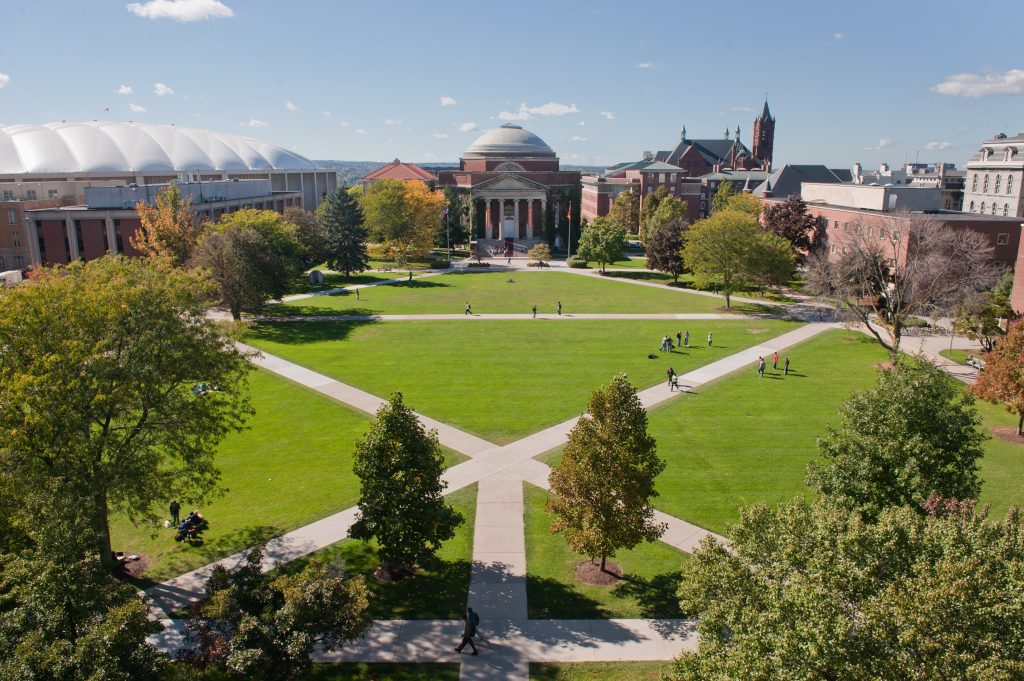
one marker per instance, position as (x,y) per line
(755,309)
(658,277)
(383,671)
(656,596)
(551,599)
(297,333)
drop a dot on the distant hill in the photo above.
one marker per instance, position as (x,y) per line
(350,172)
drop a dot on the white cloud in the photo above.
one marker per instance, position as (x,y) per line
(440,135)
(291,106)
(125,90)
(181,10)
(976,85)
(882,144)
(838,35)
(161,90)
(467,127)
(344,124)
(392,121)
(4,79)
(360,131)
(645,65)
(938,146)
(448,101)
(550,109)
(328,114)
(742,109)
(136,108)
(577,138)
(253,123)
(607,114)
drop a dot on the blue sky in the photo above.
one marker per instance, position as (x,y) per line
(599,81)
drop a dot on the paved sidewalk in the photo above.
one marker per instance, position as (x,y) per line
(354,287)
(491,317)
(497,585)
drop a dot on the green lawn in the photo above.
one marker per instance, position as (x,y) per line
(440,589)
(337,280)
(686,281)
(648,590)
(1002,468)
(492,292)
(632,262)
(958,356)
(501,379)
(599,671)
(291,467)
(745,439)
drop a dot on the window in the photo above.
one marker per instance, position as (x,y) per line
(982,207)
(19,261)
(8,195)
(856,229)
(1003,239)
(871,232)
(844,250)
(51,193)
(846,226)
(1006,209)
(972,206)
(881,232)
(974,183)
(10,217)
(835,225)
(31,195)
(16,239)
(993,208)
(999,180)
(1009,184)
(833,248)
(984,185)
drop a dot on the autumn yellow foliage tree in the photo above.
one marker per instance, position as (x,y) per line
(168,228)
(404,216)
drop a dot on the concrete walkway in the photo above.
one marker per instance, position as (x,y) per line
(491,317)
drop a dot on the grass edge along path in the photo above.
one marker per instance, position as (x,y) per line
(600,671)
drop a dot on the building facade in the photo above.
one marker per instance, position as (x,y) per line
(396,170)
(994,176)
(943,176)
(642,178)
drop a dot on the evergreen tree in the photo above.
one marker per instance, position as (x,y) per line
(399,467)
(604,485)
(341,218)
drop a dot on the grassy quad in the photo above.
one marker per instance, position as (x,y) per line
(553,592)
(491,292)
(599,671)
(502,379)
(292,466)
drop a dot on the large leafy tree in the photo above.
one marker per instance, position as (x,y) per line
(257,626)
(604,485)
(649,205)
(1002,379)
(979,318)
(168,228)
(811,591)
(96,383)
(792,221)
(665,249)
(405,216)
(252,255)
(603,241)
(669,209)
(454,222)
(625,211)
(399,466)
(310,235)
(898,266)
(913,433)
(341,218)
(723,195)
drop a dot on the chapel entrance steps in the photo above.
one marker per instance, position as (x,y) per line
(509,247)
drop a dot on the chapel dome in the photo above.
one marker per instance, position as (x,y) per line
(508,140)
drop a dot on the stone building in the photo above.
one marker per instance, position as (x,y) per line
(994,176)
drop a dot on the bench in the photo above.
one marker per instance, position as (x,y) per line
(975,362)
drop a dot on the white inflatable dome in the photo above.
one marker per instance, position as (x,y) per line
(102,146)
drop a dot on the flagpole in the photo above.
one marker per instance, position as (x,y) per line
(569,245)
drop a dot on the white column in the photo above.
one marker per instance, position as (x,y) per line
(33,242)
(111,236)
(515,212)
(69,229)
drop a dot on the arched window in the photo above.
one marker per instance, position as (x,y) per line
(509,168)
(974,183)
(982,211)
(993,208)
(999,180)
(972,207)
(984,186)
(1009,184)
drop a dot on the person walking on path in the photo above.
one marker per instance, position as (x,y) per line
(775,360)
(175,513)
(509,260)
(559,308)
(819,314)
(686,338)
(534,311)
(709,339)
(785,367)
(468,632)
(410,275)
(357,294)
(671,372)
(679,339)
(760,367)
(469,310)
(474,618)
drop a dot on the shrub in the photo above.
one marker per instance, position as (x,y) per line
(576,263)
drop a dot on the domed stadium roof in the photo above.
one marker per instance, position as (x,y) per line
(508,140)
(102,146)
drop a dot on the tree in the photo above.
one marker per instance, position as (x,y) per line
(665,249)
(625,211)
(604,485)
(399,467)
(793,222)
(670,209)
(454,219)
(979,316)
(257,626)
(730,250)
(913,433)
(342,222)
(723,194)
(1002,379)
(96,384)
(405,216)
(603,242)
(744,203)
(309,234)
(252,255)
(900,266)
(540,252)
(650,204)
(809,591)
(167,229)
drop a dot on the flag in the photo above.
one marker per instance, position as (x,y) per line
(568,215)
(444,215)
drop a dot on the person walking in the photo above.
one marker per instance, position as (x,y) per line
(534,311)
(468,632)
(559,308)
(760,367)
(785,367)
(410,275)
(474,618)
(357,294)
(709,339)
(175,513)
(775,361)
(819,314)
(686,338)
(671,372)
(469,310)
(679,339)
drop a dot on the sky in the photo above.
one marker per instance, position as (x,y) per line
(599,81)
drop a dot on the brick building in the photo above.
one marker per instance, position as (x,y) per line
(396,170)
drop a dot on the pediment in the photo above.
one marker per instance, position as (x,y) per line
(511,181)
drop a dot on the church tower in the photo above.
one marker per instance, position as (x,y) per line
(764,137)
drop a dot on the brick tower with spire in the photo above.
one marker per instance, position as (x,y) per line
(764,137)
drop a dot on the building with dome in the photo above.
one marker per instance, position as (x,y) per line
(68,190)
(518,193)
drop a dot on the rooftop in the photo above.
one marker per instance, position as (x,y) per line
(508,140)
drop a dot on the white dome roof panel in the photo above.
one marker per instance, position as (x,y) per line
(509,140)
(131,147)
